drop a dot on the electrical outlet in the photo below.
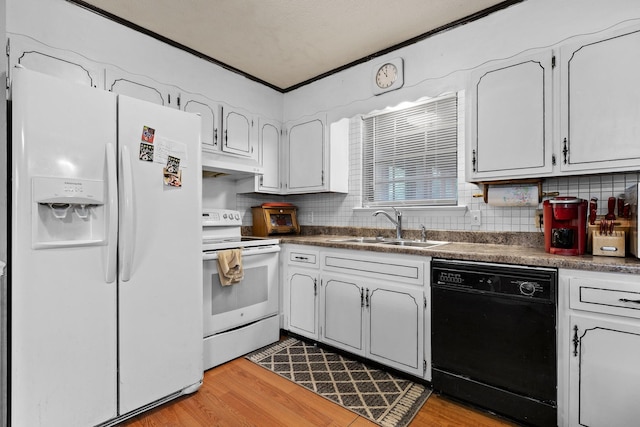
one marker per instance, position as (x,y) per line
(476,218)
(537,218)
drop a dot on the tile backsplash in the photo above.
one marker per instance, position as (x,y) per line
(331,209)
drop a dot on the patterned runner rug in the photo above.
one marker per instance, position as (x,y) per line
(379,396)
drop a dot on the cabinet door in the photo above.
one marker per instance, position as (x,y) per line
(306,156)
(342,304)
(237,132)
(511,120)
(604,372)
(395,337)
(70,69)
(599,103)
(303,305)
(208,115)
(269,136)
(140,87)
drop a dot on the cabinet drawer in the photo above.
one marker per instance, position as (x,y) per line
(383,268)
(306,258)
(610,297)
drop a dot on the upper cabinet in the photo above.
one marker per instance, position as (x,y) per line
(269,132)
(542,116)
(229,141)
(306,156)
(510,120)
(600,108)
(141,87)
(70,69)
(316,160)
(238,133)
(209,115)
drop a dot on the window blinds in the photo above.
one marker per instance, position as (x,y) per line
(410,155)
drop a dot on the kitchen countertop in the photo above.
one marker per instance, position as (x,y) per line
(486,252)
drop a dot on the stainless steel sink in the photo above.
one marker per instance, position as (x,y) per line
(416,243)
(361,240)
(395,242)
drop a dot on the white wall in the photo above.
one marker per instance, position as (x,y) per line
(440,64)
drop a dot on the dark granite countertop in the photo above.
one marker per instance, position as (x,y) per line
(480,250)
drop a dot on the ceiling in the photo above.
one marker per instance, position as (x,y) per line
(288,43)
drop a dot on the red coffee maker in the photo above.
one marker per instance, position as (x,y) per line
(565,225)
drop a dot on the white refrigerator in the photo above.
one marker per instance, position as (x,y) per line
(105,254)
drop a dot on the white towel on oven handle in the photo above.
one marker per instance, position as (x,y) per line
(230,266)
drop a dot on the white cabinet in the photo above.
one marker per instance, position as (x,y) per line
(374,306)
(269,153)
(269,132)
(510,119)
(301,291)
(605,377)
(68,67)
(370,305)
(209,118)
(306,159)
(396,317)
(315,160)
(238,132)
(343,301)
(305,156)
(548,115)
(373,319)
(303,302)
(600,113)
(601,340)
(227,135)
(141,87)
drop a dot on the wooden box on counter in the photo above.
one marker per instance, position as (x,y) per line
(274,218)
(614,244)
(609,244)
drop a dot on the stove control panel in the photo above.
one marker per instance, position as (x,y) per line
(221,218)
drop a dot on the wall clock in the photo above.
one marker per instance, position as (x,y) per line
(388,75)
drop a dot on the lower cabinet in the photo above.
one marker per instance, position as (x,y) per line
(300,293)
(369,304)
(395,337)
(602,336)
(343,301)
(605,372)
(303,302)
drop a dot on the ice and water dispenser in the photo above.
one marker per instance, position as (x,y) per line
(67,212)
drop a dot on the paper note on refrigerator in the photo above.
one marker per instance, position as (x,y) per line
(166,147)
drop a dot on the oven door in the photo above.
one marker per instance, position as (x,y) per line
(253,298)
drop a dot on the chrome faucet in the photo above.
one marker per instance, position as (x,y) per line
(397,222)
(423,233)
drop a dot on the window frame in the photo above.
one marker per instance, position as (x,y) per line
(419,186)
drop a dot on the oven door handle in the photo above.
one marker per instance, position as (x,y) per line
(213,255)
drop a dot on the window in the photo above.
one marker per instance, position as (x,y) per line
(410,156)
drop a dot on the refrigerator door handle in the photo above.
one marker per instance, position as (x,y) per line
(127,235)
(112,228)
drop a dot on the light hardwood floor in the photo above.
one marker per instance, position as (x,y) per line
(241,393)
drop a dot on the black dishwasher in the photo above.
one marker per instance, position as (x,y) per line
(494,337)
